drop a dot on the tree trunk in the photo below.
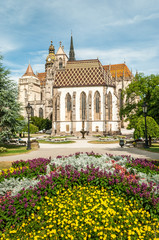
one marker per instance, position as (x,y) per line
(149,141)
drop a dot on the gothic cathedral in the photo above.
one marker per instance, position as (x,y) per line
(76,94)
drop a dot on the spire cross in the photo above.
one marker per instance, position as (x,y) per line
(51,42)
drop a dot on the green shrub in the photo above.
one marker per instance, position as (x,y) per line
(33,128)
(3,149)
(41,123)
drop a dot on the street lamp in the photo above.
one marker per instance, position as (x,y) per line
(29,111)
(144,107)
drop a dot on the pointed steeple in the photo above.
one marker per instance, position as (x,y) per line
(71,53)
(29,71)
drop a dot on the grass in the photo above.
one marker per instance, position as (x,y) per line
(14,151)
(153,148)
(61,137)
(103,142)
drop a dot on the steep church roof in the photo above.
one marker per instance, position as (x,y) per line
(60,50)
(119,70)
(81,73)
(29,71)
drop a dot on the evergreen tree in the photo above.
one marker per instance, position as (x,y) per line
(9,107)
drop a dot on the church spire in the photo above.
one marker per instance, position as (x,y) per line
(71,53)
(29,71)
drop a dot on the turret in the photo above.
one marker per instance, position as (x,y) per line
(51,57)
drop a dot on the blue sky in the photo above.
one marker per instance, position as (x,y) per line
(112,30)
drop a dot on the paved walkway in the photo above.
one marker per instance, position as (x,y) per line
(53,150)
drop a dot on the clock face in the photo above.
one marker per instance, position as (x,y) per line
(49,59)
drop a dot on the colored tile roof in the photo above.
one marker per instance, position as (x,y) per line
(42,78)
(85,73)
(118,69)
(80,73)
(29,71)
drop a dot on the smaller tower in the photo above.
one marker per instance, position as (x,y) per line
(29,90)
(71,53)
(51,57)
(29,71)
(61,58)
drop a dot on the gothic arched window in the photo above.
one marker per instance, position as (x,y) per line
(97,106)
(60,63)
(68,102)
(41,96)
(40,112)
(51,117)
(56,109)
(83,106)
(120,100)
(109,106)
(97,102)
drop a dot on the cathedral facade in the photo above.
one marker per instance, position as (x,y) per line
(76,94)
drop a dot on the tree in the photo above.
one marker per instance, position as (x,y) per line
(33,128)
(9,107)
(141,89)
(152,128)
(41,123)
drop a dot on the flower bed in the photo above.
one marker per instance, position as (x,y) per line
(81,196)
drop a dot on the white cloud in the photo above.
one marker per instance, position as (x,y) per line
(6,45)
(117,55)
(38,68)
(38,56)
(133,20)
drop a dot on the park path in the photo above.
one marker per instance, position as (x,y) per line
(53,150)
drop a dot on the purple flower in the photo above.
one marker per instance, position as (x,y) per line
(25,205)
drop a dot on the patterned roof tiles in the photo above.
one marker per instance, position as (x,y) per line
(85,73)
(119,69)
(42,78)
(80,73)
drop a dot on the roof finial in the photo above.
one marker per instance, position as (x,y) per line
(60,43)
(51,42)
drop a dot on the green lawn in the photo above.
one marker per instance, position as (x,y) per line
(153,148)
(103,142)
(13,149)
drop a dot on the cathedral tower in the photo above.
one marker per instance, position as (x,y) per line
(29,91)
(50,60)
